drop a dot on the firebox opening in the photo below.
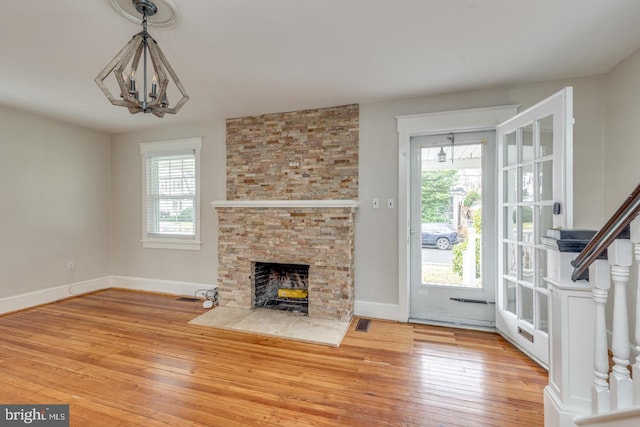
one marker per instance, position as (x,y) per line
(281,286)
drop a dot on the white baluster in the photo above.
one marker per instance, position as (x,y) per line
(600,277)
(619,255)
(635,238)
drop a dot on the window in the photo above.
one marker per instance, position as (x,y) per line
(171,194)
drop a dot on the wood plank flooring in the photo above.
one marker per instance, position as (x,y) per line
(122,358)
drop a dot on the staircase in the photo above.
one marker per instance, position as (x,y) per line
(595,312)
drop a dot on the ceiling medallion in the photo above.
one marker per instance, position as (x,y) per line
(167,15)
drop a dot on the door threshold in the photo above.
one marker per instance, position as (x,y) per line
(486,328)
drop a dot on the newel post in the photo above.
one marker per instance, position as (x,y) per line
(571,332)
(619,255)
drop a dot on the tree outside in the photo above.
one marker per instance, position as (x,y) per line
(459,249)
(436,194)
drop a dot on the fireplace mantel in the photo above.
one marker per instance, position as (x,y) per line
(353,204)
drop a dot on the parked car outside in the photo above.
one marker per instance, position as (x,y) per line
(439,234)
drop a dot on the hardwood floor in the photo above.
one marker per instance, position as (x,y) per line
(122,358)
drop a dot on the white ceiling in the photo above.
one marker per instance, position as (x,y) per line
(245,57)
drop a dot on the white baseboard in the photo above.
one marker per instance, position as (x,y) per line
(158,285)
(49,295)
(557,414)
(56,293)
(378,310)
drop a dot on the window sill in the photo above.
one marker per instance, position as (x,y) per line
(190,245)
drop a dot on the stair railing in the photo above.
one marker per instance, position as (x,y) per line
(615,389)
(607,234)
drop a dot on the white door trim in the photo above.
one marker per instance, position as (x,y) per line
(478,119)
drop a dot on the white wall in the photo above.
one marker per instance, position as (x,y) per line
(622,148)
(129,258)
(376,230)
(54,187)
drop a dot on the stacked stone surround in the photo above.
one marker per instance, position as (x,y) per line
(305,155)
(320,238)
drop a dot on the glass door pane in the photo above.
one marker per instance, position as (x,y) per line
(526,148)
(451,216)
(545,147)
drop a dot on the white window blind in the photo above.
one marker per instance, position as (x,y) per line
(171,191)
(171,194)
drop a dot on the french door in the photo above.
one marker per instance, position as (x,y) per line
(534,195)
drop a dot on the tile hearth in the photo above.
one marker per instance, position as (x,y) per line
(276,323)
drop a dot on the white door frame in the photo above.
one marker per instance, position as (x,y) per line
(479,119)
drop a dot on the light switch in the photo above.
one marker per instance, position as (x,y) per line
(390,204)
(376,203)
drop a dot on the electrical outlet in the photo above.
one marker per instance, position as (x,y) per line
(71,265)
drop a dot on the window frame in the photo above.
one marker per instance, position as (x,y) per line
(169,148)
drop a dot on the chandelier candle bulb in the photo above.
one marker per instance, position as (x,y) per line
(154,86)
(132,82)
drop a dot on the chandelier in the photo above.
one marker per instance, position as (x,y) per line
(143,90)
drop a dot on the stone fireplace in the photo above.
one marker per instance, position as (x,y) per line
(292,185)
